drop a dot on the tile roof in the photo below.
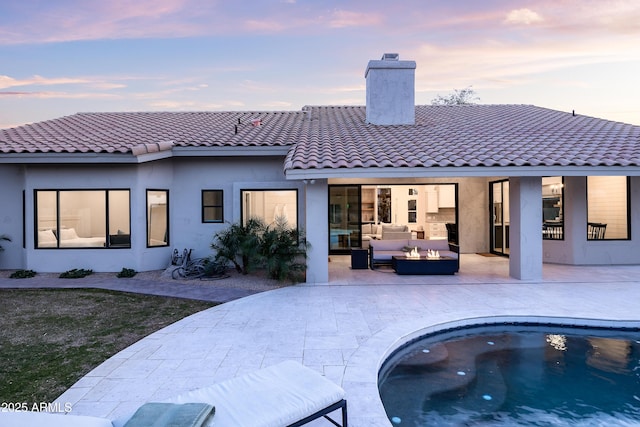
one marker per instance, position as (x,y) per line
(334,137)
(122,132)
(465,135)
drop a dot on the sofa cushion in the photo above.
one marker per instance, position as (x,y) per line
(396,235)
(394,228)
(434,245)
(388,245)
(366,228)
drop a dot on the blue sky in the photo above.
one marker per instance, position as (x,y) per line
(59,57)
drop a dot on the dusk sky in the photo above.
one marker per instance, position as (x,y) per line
(59,57)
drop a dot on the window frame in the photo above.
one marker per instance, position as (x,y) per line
(242,201)
(628,211)
(107,244)
(204,206)
(148,217)
(551,236)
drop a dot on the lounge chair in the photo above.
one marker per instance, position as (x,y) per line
(286,394)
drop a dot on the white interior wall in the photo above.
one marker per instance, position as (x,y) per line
(607,204)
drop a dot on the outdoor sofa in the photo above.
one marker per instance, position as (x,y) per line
(381,251)
(285,394)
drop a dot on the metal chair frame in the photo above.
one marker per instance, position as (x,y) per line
(596,230)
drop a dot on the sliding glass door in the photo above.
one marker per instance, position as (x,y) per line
(499,203)
(344,218)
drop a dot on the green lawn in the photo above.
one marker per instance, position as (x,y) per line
(51,338)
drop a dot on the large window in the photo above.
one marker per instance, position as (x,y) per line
(212,206)
(607,208)
(157,218)
(270,205)
(82,219)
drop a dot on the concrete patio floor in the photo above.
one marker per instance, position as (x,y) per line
(344,329)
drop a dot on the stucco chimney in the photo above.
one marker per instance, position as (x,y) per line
(391,91)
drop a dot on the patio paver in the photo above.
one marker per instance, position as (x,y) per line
(345,328)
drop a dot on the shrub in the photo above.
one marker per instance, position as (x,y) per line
(240,245)
(22,274)
(280,249)
(127,272)
(284,251)
(75,273)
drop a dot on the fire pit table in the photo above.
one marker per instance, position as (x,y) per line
(424,265)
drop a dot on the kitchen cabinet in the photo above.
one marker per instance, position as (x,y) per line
(431,196)
(447,196)
(437,230)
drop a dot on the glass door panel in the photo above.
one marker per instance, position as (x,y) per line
(499,202)
(344,218)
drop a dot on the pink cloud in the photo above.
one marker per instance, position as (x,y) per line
(59,95)
(347,18)
(7,82)
(523,16)
(96,19)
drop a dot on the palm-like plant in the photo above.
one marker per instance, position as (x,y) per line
(240,244)
(283,250)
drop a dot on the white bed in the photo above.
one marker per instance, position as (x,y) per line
(68,239)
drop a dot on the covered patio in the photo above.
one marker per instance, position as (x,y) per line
(478,269)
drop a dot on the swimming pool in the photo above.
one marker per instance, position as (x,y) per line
(515,375)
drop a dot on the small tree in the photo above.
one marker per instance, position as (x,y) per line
(240,245)
(5,238)
(464,96)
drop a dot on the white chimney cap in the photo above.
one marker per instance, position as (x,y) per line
(390,56)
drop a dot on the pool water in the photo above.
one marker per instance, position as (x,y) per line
(515,375)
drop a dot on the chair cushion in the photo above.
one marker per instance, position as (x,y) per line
(272,397)
(159,414)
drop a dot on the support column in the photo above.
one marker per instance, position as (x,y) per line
(317,230)
(525,241)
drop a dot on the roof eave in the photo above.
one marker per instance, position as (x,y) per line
(232,151)
(462,171)
(78,158)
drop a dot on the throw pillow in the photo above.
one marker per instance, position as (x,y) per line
(46,236)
